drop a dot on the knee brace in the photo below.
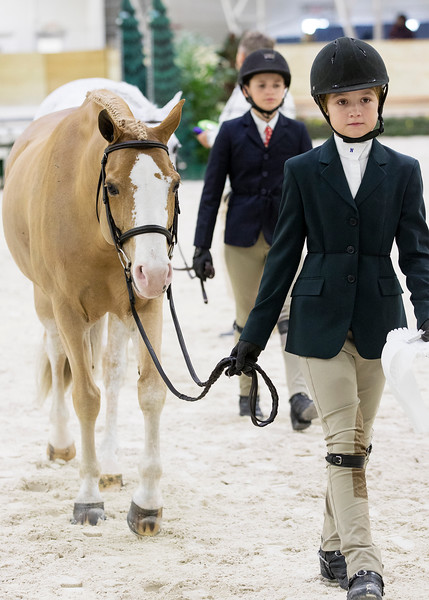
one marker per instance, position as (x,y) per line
(353,461)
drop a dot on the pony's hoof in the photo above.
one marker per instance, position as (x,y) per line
(142,521)
(90,513)
(113,482)
(62,453)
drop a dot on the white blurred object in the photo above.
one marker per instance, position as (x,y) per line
(401,349)
(73,93)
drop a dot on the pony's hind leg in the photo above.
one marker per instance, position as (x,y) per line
(60,440)
(145,514)
(53,378)
(76,336)
(115,360)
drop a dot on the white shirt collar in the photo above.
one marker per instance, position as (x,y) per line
(359,150)
(261,124)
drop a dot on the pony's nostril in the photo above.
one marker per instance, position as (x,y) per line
(140,274)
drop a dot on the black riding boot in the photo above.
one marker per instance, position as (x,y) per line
(244,406)
(365,585)
(302,411)
(333,567)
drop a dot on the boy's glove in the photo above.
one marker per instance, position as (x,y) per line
(241,352)
(425,328)
(203,264)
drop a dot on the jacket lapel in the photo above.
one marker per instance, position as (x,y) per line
(374,172)
(251,129)
(279,131)
(332,170)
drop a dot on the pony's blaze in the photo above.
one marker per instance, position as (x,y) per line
(151,266)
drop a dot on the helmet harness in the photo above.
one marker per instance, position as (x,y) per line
(263,61)
(346,65)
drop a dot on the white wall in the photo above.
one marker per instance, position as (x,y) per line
(51,25)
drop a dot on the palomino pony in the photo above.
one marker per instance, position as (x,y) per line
(75,254)
(115,354)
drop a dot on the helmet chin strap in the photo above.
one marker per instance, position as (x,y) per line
(363,138)
(265,113)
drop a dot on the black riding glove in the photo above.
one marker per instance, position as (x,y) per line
(242,352)
(425,328)
(203,264)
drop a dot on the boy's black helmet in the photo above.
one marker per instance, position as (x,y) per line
(265,60)
(347,64)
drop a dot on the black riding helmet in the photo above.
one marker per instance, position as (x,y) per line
(265,60)
(345,65)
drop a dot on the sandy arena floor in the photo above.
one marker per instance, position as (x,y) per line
(242,506)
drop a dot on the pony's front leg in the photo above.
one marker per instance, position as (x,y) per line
(75,333)
(145,514)
(114,367)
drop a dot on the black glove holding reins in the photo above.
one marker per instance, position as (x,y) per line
(203,264)
(243,352)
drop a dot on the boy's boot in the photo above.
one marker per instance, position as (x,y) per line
(244,406)
(365,585)
(333,567)
(302,411)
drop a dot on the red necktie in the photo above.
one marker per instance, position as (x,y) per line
(268,134)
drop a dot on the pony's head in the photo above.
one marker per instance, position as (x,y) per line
(140,184)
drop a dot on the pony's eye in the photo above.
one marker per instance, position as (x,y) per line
(112,190)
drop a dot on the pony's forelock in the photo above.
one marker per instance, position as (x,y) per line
(114,106)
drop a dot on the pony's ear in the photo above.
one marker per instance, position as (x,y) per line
(169,125)
(106,126)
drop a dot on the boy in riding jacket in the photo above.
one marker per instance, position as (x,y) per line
(237,104)
(252,150)
(349,200)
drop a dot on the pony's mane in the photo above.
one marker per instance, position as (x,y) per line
(113,104)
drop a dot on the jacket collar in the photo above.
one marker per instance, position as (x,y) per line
(253,133)
(332,171)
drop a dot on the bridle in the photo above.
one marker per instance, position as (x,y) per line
(171,234)
(118,237)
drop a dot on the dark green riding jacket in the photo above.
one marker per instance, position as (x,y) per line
(347,280)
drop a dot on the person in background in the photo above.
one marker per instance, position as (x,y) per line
(237,105)
(252,150)
(348,200)
(400,30)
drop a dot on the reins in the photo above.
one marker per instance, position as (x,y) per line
(171,234)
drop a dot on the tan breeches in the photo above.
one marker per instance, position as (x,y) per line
(347,390)
(245,267)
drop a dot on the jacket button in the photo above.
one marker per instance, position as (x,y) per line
(353,221)
(266,156)
(264,173)
(263,192)
(350,249)
(351,278)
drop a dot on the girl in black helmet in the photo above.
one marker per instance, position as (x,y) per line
(349,200)
(252,150)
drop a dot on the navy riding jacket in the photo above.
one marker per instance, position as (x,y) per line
(256,178)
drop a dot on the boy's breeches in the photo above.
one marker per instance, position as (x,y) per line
(347,390)
(245,267)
